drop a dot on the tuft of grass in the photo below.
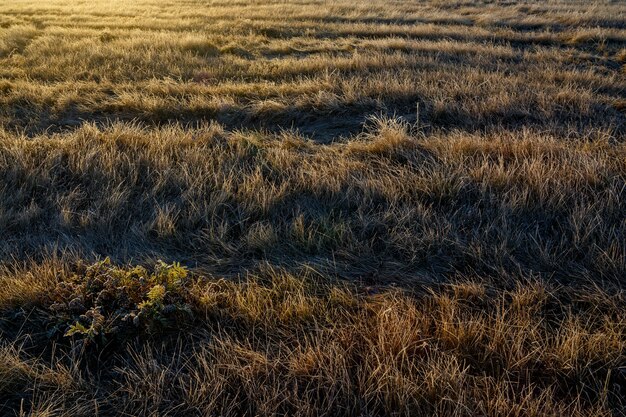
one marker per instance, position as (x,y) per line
(388,136)
(200,46)
(15,39)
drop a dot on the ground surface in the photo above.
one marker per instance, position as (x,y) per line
(379,208)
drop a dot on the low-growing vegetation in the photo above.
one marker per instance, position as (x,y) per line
(284,344)
(312,208)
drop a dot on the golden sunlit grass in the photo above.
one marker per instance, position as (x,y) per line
(379,208)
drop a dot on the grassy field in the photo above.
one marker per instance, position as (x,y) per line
(312,208)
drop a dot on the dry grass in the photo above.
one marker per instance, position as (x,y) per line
(322,68)
(283,344)
(401,206)
(387,208)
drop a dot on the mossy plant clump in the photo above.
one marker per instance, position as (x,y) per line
(103,301)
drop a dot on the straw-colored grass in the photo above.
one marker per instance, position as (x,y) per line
(379,208)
